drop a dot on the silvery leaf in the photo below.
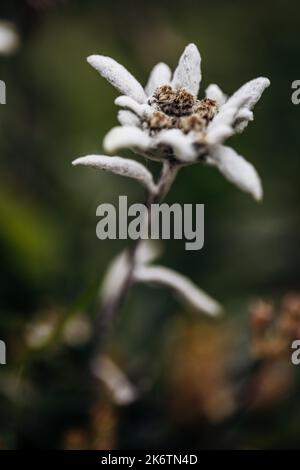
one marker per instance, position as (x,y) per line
(182,286)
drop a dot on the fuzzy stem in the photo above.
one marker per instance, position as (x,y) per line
(111,310)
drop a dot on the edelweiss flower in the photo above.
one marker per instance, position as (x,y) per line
(166,120)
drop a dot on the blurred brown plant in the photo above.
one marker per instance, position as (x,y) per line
(214,378)
(199,379)
(273,331)
(103,423)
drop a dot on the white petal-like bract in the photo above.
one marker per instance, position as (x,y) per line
(130,104)
(128,118)
(218,134)
(228,112)
(118,76)
(242,119)
(245,113)
(126,136)
(181,144)
(188,72)
(237,170)
(120,166)
(160,75)
(221,127)
(214,92)
(251,93)
(182,286)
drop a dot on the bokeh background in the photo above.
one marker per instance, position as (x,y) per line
(199,384)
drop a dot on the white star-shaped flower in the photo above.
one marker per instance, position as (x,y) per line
(166,120)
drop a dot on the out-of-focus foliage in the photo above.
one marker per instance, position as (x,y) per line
(201,385)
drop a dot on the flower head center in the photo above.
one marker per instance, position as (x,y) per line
(173,102)
(179,109)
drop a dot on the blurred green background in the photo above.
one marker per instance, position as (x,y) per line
(57,109)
